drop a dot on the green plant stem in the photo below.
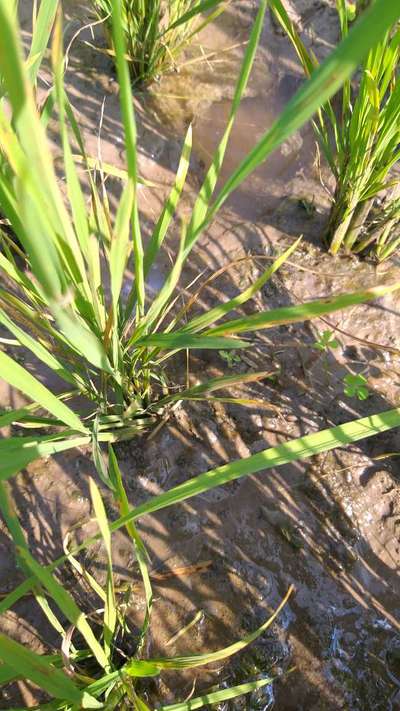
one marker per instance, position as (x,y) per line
(340,222)
(358,220)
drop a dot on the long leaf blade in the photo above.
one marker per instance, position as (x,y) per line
(67,605)
(110,608)
(40,37)
(216,697)
(128,118)
(140,550)
(302,312)
(190,662)
(32,666)
(187,340)
(19,378)
(292,450)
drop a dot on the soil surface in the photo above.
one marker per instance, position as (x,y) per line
(330,526)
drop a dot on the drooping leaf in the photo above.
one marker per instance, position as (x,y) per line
(32,666)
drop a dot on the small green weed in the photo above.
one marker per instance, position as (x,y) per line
(230,357)
(356,386)
(308,206)
(325,341)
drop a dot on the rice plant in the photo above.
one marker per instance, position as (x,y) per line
(68,308)
(101,660)
(156,31)
(360,140)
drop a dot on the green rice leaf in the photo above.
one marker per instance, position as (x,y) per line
(40,36)
(140,705)
(186,340)
(120,244)
(139,667)
(140,550)
(161,301)
(67,605)
(48,237)
(216,313)
(302,312)
(37,349)
(167,214)
(202,6)
(128,119)
(203,200)
(7,674)
(110,609)
(19,378)
(214,384)
(83,572)
(290,451)
(75,193)
(32,666)
(24,450)
(82,339)
(11,416)
(217,697)
(10,516)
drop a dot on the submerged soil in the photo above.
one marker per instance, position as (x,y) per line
(330,526)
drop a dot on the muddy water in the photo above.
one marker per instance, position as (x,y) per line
(329,526)
(256,114)
(202,95)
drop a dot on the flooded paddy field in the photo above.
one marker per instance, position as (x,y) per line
(329,526)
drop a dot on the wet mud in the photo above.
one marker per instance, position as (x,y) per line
(330,525)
